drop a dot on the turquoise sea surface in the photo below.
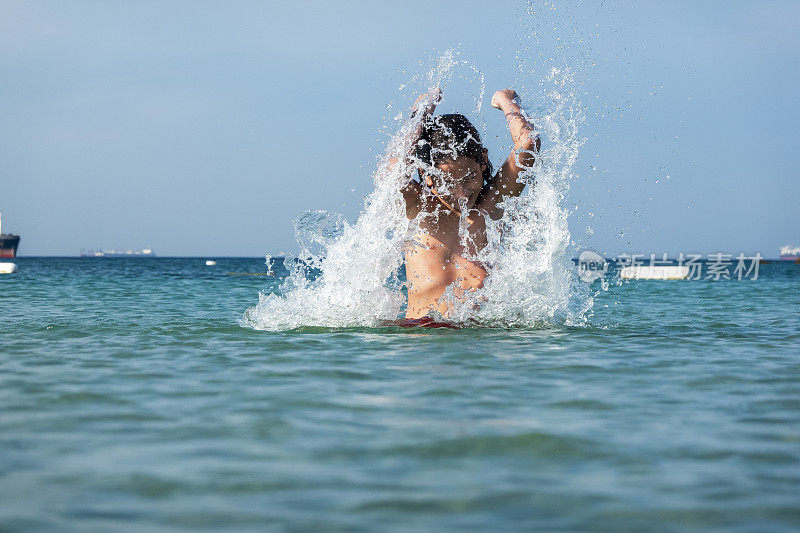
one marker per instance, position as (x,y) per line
(131,399)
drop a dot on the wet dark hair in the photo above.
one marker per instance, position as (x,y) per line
(446,137)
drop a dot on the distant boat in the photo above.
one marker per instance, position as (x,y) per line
(790,253)
(8,242)
(655,272)
(146,252)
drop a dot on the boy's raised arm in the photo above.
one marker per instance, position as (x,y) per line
(424,105)
(526,144)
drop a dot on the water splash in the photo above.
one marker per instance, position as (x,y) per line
(532,280)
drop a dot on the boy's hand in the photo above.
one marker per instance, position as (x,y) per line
(426,103)
(502,98)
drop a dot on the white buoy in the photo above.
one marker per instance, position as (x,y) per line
(7,268)
(655,272)
(210,263)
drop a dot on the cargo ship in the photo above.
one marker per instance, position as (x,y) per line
(146,252)
(8,242)
(790,253)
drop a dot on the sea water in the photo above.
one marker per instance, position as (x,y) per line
(132,399)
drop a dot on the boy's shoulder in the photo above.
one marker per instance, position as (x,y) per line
(426,242)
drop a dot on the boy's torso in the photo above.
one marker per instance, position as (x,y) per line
(439,258)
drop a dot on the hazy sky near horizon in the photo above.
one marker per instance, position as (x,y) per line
(202,128)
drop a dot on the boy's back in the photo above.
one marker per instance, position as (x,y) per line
(433,264)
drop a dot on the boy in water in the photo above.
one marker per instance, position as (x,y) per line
(457,190)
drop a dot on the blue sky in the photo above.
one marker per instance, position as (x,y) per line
(203,128)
